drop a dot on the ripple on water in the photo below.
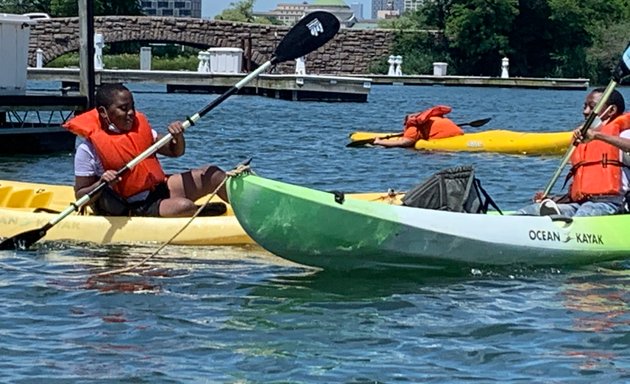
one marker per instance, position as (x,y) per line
(232,314)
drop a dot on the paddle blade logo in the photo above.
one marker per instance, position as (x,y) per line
(316,27)
(623,69)
(311,32)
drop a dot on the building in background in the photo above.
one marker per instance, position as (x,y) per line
(289,14)
(393,7)
(357,8)
(176,8)
(286,13)
(412,5)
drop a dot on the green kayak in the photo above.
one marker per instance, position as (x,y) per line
(333,231)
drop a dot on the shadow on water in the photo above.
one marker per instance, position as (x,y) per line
(326,285)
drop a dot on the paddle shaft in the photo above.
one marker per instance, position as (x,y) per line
(621,70)
(311,32)
(159,144)
(593,116)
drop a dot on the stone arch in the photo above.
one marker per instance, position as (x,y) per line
(350,52)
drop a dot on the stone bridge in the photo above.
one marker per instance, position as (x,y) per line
(350,52)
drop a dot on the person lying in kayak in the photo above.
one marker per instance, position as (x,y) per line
(427,125)
(115,133)
(600,165)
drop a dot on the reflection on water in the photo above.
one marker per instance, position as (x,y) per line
(239,314)
(598,303)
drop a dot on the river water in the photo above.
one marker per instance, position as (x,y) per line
(241,315)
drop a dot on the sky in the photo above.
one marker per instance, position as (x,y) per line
(211,8)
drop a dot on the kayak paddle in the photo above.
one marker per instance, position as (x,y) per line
(360,143)
(310,33)
(622,70)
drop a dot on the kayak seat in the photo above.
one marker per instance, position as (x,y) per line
(41,199)
(564,219)
(213,209)
(5,191)
(20,198)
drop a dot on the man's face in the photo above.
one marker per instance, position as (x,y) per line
(591,101)
(121,111)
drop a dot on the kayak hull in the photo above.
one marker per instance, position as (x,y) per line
(310,227)
(500,141)
(21,207)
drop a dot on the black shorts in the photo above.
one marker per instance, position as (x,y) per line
(109,203)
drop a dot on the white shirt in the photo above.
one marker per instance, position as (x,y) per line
(87,163)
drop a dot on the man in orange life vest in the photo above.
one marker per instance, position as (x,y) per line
(427,125)
(115,134)
(600,164)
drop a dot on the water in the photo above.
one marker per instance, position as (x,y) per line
(241,315)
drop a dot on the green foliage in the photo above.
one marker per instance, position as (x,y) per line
(436,13)
(603,55)
(419,50)
(531,40)
(477,33)
(70,8)
(409,20)
(542,38)
(243,11)
(24,6)
(186,62)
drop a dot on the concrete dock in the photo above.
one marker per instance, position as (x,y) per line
(288,87)
(483,81)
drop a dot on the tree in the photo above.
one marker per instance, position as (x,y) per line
(70,8)
(531,40)
(574,28)
(436,13)
(477,33)
(24,6)
(242,11)
(603,56)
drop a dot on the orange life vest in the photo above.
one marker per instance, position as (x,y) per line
(431,124)
(597,166)
(116,150)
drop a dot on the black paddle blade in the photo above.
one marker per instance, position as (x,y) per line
(623,68)
(23,240)
(310,33)
(359,143)
(477,123)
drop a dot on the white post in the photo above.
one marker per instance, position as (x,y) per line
(200,58)
(392,66)
(99,43)
(439,68)
(204,61)
(398,61)
(505,64)
(300,67)
(39,58)
(145,58)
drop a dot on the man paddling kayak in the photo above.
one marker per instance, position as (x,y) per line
(600,164)
(115,134)
(427,125)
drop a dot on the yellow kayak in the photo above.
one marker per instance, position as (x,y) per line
(27,206)
(498,140)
